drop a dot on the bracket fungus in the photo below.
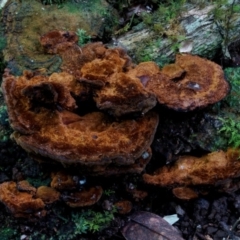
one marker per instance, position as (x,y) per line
(123,206)
(63,181)
(64,44)
(46,112)
(192,82)
(25,186)
(20,203)
(47,194)
(103,70)
(124,95)
(52,40)
(210,169)
(41,112)
(97,71)
(119,93)
(86,197)
(112,169)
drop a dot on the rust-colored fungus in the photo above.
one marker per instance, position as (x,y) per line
(49,117)
(137,167)
(184,193)
(138,195)
(51,40)
(123,207)
(41,111)
(121,92)
(92,140)
(63,181)
(97,72)
(47,194)
(143,71)
(123,95)
(189,170)
(174,71)
(20,204)
(73,56)
(86,197)
(25,186)
(97,66)
(191,83)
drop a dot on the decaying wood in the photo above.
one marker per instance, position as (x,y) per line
(203,35)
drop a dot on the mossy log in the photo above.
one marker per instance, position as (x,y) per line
(197,30)
(24,22)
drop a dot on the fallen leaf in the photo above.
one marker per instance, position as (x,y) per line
(146,226)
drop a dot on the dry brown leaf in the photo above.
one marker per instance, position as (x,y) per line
(149,226)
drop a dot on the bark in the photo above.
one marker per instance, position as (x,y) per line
(204,36)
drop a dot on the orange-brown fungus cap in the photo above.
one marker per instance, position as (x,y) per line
(43,126)
(64,43)
(63,181)
(47,194)
(84,198)
(97,72)
(25,186)
(52,39)
(184,193)
(123,95)
(137,167)
(191,83)
(123,207)
(189,170)
(138,195)
(94,65)
(174,71)
(20,204)
(92,140)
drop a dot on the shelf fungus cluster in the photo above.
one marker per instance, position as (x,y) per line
(97,114)
(216,168)
(46,113)
(24,201)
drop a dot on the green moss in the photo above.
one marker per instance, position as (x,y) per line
(84,223)
(92,221)
(230,130)
(233,99)
(224,15)
(3,115)
(166,15)
(50,2)
(101,13)
(227,132)
(37,182)
(3,43)
(7,233)
(148,51)
(109,192)
(83,38)
(223,122)
(5,130)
